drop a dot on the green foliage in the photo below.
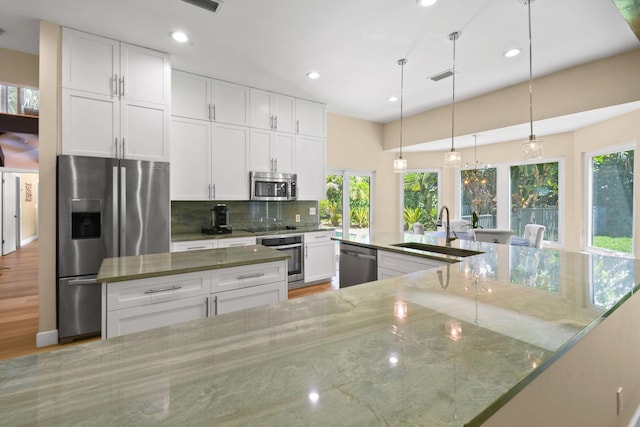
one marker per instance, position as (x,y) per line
(618,244)
(612,193)
(421,192)
(534,186)
(479,190)
(359,201)
(360,217)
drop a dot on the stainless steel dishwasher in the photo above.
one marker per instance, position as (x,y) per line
(357,265)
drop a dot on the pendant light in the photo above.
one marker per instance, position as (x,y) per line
(477,168)
(452,159)
(400,164)
(532,147)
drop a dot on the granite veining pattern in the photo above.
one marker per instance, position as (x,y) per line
(154,265)
(414,350)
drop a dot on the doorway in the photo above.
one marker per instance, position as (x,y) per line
(19,216)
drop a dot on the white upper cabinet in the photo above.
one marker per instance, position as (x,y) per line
(230,176)
(272,111)
(230,103)
(190,95)
(310,118)
(115,100)
(190,159)
(310,164)
(271,151)
(204,98)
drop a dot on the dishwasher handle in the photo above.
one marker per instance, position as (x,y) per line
(357,255)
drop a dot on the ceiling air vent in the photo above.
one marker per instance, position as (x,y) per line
(442,75)
(210,5)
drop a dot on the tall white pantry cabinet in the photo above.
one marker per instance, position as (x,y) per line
(116,98)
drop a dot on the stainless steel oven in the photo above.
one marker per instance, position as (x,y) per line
(292,245)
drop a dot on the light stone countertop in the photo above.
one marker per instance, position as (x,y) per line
(154,265)
(442,347)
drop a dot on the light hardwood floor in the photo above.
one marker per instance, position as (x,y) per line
(19,302)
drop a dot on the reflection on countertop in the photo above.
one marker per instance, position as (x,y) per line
(402,351)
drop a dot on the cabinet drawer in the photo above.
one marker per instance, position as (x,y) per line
(236,241)
(136,319)
(405,263)
(241,299)
(245,276)
(193,245)
(320,236)
(135,293)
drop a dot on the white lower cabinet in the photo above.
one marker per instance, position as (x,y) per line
(142,304)
(236,241)
(197,245)
(391,264)
(319,256)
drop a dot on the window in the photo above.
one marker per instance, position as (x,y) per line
(535,194)
(610,210)
(421,199)
(349,195)
(479,195)
(19,100)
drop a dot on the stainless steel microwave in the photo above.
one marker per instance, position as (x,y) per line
(273,186)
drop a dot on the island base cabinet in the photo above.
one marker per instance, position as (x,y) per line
(241,299)
(138,319)
(391,264)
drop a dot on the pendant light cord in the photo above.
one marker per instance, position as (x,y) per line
(454,37)
(401,62)
(531,135)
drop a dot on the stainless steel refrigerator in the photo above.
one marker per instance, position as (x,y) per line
(106,208)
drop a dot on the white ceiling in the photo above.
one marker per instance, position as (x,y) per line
(354,44)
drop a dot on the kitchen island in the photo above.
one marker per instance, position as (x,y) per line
(448,346)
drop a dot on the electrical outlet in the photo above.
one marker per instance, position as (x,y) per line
(297,217)
(312,211)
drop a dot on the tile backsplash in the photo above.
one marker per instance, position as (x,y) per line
(190,217)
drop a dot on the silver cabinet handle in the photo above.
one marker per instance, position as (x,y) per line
(115,85)
(214,191)
(306,251)
(122,86)
(271,122)
(206,307)
(209,187)
(250,276)
(123,211)
(237,244)
(116,144)
(276,162)
(210,114)
(276,123)
(122,151)
(214,112)
(114,210)
(215,305)
(155,291)
(82,282)
(191,248)
(297,126)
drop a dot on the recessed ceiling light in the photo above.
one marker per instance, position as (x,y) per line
(313,75)
(512,52)
(179,36)
(392,99)
(427,3)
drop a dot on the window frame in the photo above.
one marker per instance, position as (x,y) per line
(346,208)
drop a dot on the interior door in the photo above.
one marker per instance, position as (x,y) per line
(10,193)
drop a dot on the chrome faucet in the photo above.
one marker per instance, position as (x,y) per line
(448,228)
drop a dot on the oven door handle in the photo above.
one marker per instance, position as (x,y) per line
(295,245)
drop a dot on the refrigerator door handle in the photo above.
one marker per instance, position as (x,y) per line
(123,211)
(114,213)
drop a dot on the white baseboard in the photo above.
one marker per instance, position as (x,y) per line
(46,338)
(28,240)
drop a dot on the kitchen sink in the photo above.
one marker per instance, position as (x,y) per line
(446,250)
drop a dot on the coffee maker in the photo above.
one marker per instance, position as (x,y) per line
(219,221)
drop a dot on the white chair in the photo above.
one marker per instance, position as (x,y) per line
(492,235)
(418,228)
(456,225)
(534,233)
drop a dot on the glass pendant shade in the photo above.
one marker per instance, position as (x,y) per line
(400,165)
(452,159)
(532,148)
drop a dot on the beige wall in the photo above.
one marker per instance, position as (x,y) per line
(50,136)
(18,68)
